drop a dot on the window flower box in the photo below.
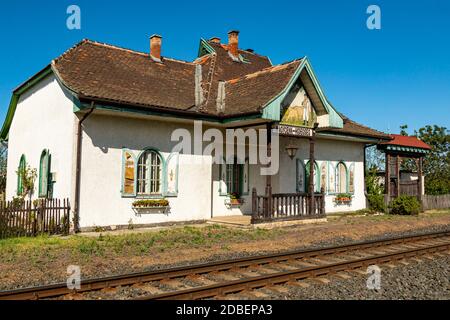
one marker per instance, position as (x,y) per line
(343,199)
(234,201)
(151,206)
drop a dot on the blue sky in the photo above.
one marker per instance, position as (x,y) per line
(382,78)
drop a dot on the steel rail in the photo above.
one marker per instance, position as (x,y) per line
(236,286)
(60,289)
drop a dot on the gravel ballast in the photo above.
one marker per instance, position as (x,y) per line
(425,280)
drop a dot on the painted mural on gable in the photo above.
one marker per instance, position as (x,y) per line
(299,110)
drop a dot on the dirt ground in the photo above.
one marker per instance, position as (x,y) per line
(28,262)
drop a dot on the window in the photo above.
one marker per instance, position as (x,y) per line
(341,178)
(316,177)
(234,172)
(22,166)
(45,180)
(149,179)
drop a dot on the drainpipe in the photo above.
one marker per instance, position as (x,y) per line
(76,205)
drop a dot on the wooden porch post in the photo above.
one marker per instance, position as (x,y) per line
(420,182)
(269,177)
(311,175)
(387,178)
(420,169)
(397,173)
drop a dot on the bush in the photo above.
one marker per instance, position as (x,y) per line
(376,202)
(405,205)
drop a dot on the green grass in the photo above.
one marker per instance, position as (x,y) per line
(129,244)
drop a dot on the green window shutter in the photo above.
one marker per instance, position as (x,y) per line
(22,166)
(223,190)
(128,174)
(351,178)
(245,172)
(172,175)
(44,174)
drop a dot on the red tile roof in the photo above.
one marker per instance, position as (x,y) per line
(407,141)
(112,74)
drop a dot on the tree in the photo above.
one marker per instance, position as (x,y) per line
(436,164)
(28,177)
(375,158)
(403,131)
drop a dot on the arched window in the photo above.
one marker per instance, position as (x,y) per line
(149,175)
(316,177)
(20,172)
(341,178)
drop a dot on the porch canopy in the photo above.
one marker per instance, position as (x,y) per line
(397,150)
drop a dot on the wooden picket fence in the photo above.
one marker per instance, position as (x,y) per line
(31,218)
(436,202)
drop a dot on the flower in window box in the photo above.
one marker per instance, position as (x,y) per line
(343,198)
(235,199)
(151,203)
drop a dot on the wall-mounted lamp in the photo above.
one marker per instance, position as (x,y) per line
(291,150)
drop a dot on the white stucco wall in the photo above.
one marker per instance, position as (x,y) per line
(43,120)
(330,151)
(101,202)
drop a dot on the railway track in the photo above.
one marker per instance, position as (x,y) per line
(219,279)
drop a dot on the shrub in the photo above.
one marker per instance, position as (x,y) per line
(405,205)
(376,202)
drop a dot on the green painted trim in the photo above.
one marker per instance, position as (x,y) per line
(4,133)
(122,178)
(174,154)
(353,138)
(241,118)
(172,115)
(205,48)
(272,110)
(43,190)
(22,164)
(407,149)
(77,105)
(335,119)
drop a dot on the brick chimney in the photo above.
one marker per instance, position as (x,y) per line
(155,47)
(233,43)
(214,40)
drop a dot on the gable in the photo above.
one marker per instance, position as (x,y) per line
(327,115)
